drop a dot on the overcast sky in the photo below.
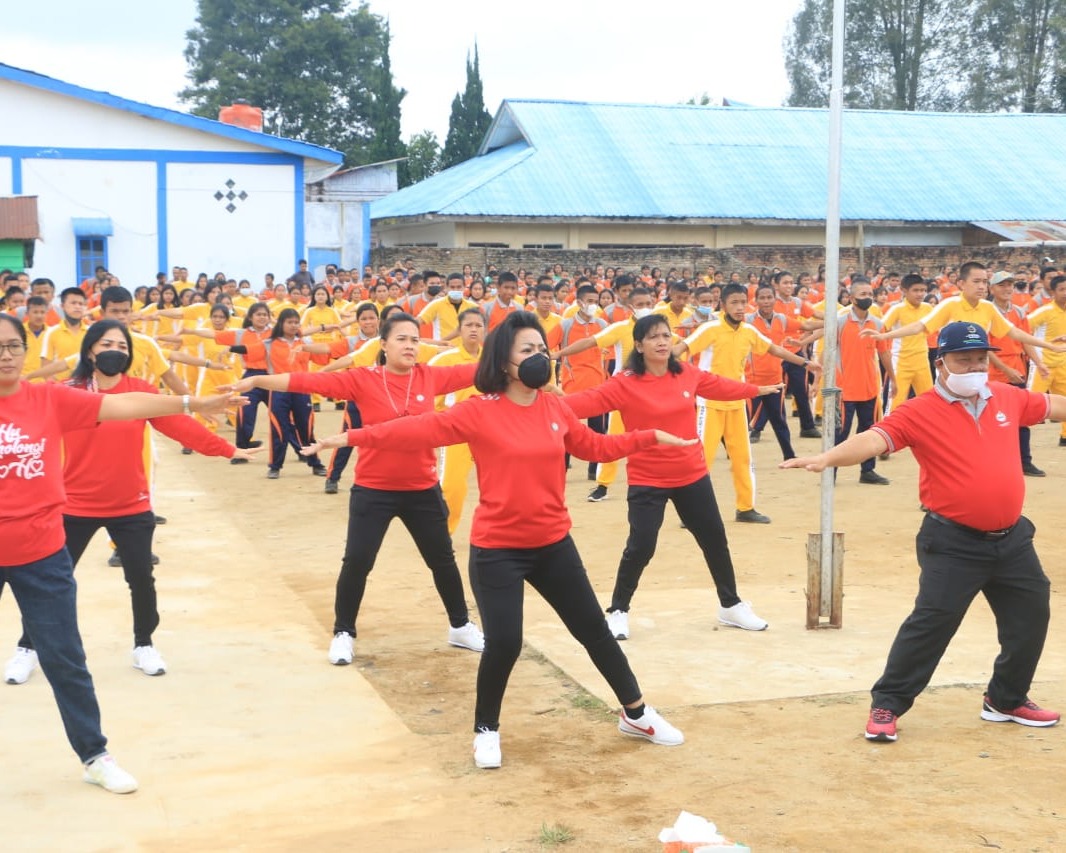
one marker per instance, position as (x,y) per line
(584,50)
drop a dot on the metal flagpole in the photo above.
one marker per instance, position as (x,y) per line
(830,593)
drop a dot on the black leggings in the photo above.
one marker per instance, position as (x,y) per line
(132,535)
(698,509)
(497,577)
(425,515)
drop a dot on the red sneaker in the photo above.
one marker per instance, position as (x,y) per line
(881,725)
(1028,714)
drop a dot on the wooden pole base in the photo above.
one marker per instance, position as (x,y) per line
(825,589)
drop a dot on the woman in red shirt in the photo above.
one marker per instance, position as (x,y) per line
(657,389)
(115,494)
(393,482)
(518,437)
(35,562)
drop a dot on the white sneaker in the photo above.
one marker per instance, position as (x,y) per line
(22,663)
(487,753)
(105,772)
(467,637)
(149,661)
(740,615)
(618,623)
(340,649)
(651,726)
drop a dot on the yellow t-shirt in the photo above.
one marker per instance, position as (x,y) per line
(1049,322)
(443,315)
(618,337)
(913,350)
(724,350)
(449,358)
(956,309)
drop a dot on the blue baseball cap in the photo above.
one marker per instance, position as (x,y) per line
(961,336)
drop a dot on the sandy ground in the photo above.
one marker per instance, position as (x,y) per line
(252,741)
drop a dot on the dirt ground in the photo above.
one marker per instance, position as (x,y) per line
(252,741)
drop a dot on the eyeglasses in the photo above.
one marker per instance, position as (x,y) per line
(16,348)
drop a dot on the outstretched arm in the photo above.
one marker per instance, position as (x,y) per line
(854,450)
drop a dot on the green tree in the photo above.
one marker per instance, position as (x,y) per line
(469,120)
(977,55)
(423,158)
(384,118)
(1015,55)
(311,65)
(898,54)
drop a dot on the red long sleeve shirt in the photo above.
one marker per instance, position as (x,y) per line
(103,468)
(381,396)
(665,402)
(33,422)
(519,454)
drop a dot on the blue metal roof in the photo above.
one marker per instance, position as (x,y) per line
(205,125)
(565,159)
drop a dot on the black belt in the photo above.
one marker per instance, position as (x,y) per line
(972,531)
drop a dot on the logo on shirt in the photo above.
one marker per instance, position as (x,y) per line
(685,394)
(555,426)
(1001,419)
(28,461)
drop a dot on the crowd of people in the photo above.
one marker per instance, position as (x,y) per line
(440,372)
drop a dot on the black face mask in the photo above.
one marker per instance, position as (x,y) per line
(434,290)
(864,304)
(535,371)
(111,362)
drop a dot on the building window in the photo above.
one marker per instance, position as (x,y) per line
(92,253)
(488,245)
(542,245)
(417,245)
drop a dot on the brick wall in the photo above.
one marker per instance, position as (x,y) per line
(739,258)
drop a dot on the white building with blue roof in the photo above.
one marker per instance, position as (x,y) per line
(565,175)
(139,189)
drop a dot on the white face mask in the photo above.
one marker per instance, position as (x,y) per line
(585,310)
(246,291)
(966,384)
(641,313)
(455,295)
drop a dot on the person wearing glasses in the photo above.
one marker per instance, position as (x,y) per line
(395,482)
(35,562)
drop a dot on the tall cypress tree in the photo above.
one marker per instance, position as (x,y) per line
(384,118)
(469,121)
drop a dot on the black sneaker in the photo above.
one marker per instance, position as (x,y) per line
(252,445)
(114,561)
(331,487)
(319,471)
(317,407)
(236,460)
(873,478)
(598,494)
(813,432)
(1062,441)
(186,451)
(1030,470)
(160,520)
(273,473)
(754,436)
(752,516)
(338,406)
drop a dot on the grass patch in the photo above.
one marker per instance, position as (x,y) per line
(575,694)
(556,834)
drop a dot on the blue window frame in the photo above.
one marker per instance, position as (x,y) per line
(92,252)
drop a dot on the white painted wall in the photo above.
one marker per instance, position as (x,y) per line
(5,176)
(912,236)
(337,225)
(254,239)
(50,120)
(124,192)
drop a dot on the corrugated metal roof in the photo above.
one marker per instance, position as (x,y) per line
(564,159)
(1044,231)
(18,218)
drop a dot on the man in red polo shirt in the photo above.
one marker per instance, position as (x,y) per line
(974,537)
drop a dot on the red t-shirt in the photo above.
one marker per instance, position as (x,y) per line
(32,423)
(970,470)
(385,396)
(103,468)
(519,453)
(665,402)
